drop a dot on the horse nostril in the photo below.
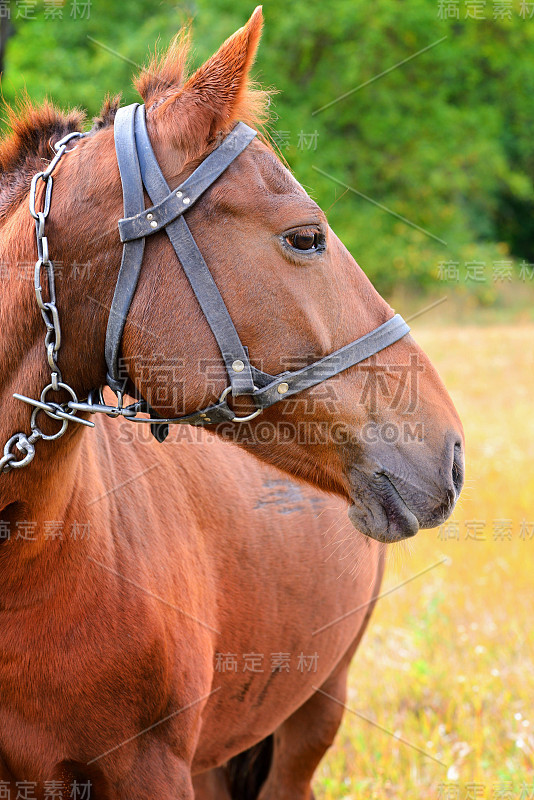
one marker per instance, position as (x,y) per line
(458,468)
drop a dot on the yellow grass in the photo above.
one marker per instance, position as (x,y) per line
(448,661)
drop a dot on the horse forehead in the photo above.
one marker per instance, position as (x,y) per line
(256,174)
(277,178)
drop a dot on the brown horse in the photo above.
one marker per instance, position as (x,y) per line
(167,609)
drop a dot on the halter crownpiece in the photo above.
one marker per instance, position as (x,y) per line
(139,170)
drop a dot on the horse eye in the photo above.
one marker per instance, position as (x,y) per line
(303,240)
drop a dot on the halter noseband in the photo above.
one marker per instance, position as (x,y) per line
(140,170)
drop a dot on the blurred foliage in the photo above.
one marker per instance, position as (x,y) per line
(443,141)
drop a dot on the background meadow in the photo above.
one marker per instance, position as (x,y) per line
(448,660)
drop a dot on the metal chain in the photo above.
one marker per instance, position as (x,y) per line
(58,411)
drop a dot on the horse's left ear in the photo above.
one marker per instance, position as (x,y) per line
(214,95)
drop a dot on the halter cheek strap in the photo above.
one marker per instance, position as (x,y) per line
(140,170)
(133,251)
(138,167)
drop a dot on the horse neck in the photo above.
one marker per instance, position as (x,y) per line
(43,490)
(47,525)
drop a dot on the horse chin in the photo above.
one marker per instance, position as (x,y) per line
(388,521)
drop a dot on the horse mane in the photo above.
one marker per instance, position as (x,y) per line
(32,131)
(27,146)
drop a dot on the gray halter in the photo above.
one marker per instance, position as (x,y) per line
(140,170)
(138,167)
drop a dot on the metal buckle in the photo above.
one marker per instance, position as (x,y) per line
(248,417)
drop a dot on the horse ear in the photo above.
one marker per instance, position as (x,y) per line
(214,95)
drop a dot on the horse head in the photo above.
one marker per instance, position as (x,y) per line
(382,431)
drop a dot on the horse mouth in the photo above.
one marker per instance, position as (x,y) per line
(389,520)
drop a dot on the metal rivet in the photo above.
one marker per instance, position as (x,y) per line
(154,224)
(207,419)
(186,201)
(178,193)
(238,366)
(282,388)
(150,216)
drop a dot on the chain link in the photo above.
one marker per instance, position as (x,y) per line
(59,411)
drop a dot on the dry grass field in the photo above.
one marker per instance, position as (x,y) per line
(445,673)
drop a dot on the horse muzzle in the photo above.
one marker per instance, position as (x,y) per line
(395,502)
